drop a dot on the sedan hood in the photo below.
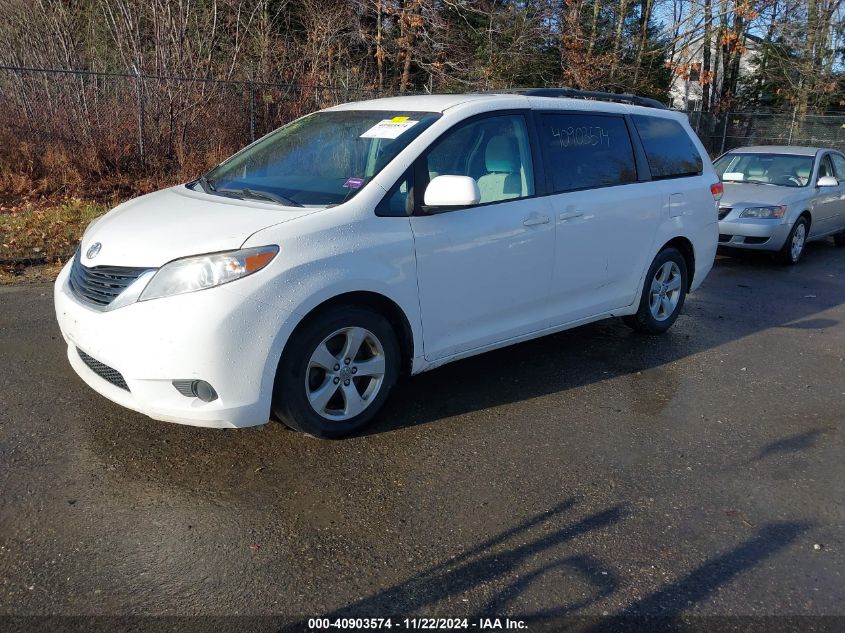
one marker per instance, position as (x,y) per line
(748,194)
(154,229)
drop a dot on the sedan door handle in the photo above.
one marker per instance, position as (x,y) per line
(534,220)
(571,215)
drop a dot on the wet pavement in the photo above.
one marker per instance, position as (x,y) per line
(593,472)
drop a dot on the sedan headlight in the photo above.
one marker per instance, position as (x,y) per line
(206,271)
(765,213)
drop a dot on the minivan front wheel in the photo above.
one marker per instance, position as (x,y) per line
(336,372)
(663,293)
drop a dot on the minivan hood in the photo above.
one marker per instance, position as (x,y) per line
(737,193)
(154,229)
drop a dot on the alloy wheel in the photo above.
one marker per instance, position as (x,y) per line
(345,373)
(799,236)
(665,291)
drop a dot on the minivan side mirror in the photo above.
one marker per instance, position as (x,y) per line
(451,191)
(827,181)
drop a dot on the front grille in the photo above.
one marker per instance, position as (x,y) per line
(724,238)
(100,285)
(103,371)
(723,212)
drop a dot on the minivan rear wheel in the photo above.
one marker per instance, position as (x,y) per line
(663,293)
(336,372)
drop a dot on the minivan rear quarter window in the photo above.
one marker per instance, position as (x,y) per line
(583,151)
(668,148)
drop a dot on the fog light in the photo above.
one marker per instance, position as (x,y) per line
(204,391)
(196,389)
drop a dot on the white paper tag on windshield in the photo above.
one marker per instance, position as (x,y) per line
(389,128)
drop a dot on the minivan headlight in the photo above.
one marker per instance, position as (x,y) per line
(765,213)
(206,271)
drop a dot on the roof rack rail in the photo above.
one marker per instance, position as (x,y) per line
(591,94)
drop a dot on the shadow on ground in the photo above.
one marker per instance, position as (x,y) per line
(511,555)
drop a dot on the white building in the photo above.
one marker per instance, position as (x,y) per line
(685,90)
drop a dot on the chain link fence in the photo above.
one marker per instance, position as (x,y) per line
(720,132)
(81,128)
(88,125)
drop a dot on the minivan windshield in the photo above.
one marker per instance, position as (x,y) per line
(319,160)
(786,170)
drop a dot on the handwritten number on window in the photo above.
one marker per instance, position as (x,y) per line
(593,136)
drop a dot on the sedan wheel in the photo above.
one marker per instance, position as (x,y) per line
(793,248)
(797,246)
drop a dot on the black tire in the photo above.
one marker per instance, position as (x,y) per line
(644,320)
(839,239)
(291,403)
(786,255)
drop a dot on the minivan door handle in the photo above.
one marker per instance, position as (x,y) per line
(534,219)
(570,215)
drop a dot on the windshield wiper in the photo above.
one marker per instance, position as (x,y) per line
(206,184)
(757,182)
(229,193)
(264,195)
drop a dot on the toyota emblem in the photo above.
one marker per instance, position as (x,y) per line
(93,250)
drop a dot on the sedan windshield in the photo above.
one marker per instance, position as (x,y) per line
(319,160)
(786,170)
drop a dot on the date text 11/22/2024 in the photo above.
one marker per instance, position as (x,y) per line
(430,624)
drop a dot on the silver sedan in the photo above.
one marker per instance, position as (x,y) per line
(778,198)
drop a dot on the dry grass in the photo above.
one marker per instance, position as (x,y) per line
(42,273)
(62,166)
(41,234)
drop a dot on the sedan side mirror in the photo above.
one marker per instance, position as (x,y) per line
(827,181)
(451,191)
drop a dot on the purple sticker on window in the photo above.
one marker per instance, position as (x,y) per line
(354,183)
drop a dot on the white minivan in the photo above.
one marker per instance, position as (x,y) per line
(304,274)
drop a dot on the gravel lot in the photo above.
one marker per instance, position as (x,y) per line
(592,472)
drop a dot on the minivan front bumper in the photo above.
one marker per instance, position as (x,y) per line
(214,335)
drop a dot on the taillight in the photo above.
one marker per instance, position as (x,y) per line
(717,189)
